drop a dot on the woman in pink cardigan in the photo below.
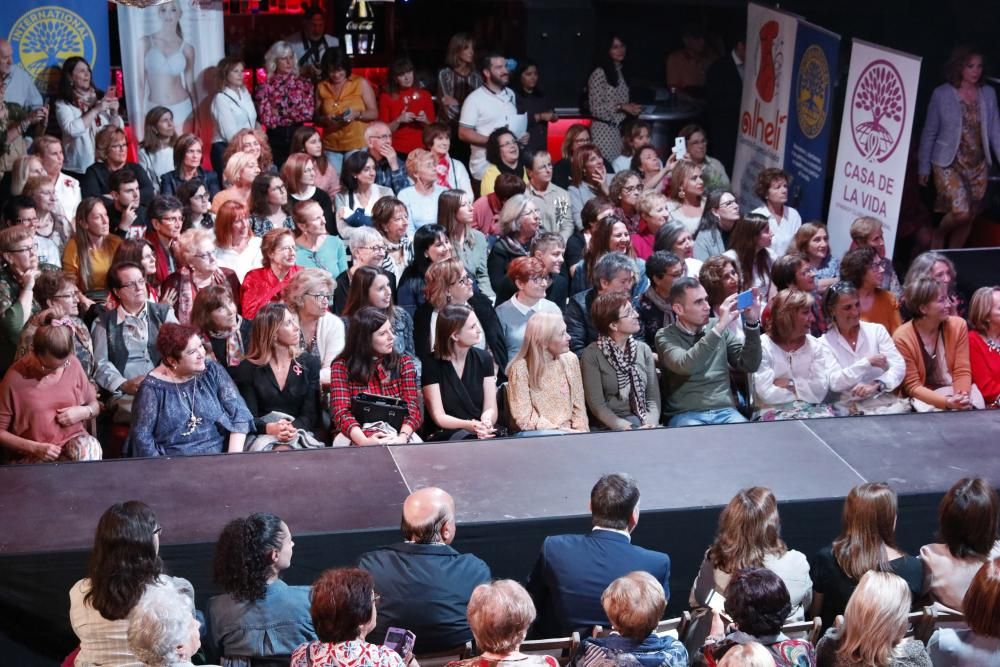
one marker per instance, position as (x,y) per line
(935,347)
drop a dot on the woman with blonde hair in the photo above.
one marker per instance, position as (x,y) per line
(24,168)
(279,384)
(241,170)
(88,254)
(309,295)
(237,247)
(749,535)
(198,268)
(793,379)
(687,195)
(255,142)
(421,198)
(545,390)
(875,624)
(314,248)
(51,223)
(984,343)
(867,542)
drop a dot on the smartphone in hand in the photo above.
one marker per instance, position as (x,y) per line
(401,641)
(744,300)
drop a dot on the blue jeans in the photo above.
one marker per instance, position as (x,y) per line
(720,416)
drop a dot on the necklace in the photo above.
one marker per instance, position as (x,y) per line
(193,420)
(992,343)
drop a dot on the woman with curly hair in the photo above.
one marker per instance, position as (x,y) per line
(861,267)
(124,563)
(259,615)
(772,187)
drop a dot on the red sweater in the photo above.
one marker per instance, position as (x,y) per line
(985,365)
(409,135)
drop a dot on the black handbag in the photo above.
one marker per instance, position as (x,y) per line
(370,408)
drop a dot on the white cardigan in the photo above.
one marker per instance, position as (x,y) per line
(330,340)
(810,367)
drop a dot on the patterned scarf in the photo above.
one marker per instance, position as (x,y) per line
(234,343)
(443,169)
(623,361)
(187,291)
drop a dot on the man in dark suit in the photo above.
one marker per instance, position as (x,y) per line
(424,584)
(572,571)
(724,93)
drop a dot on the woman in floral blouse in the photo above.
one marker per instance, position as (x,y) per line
(284,101)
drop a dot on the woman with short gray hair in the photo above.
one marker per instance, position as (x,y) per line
(519,222)
(162,628)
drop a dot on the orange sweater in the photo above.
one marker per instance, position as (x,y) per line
(956,351)
(884,311)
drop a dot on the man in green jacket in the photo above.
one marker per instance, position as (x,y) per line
(696,352)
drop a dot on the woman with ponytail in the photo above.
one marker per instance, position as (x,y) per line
(259,615)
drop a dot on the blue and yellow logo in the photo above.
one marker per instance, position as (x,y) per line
(46,36)
(813,102)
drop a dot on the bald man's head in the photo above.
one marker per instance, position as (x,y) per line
(6,57)
(429,516)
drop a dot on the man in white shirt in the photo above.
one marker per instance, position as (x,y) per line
(312,42)
(487,108)
(50,150)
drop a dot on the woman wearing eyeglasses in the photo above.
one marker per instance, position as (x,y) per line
(519,222)
(448,283)
(531,279)
(861,267)
(197,202)
(367,249)
(195,252)
(56,291)
(265,284)
(18,273)
(269,207)
(46,400)
(619,371)
(722,212)
(309,295)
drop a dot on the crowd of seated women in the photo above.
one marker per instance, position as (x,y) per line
(242,307)
(749,587)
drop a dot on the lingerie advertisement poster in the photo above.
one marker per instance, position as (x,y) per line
(874,142)
(169,54)
(43,35)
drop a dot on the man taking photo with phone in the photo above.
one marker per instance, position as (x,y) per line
(696,352)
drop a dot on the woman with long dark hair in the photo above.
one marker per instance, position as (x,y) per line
(269,206)
(307,140)
(371,287)
(405,106)
(370,363)
(123,563)
(608,95)
(750,246)
(430,245)
(81,110)
(257,609)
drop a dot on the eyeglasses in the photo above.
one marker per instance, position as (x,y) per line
(375,598)
(33,249)
(627,313)
(375,248)
(157,530)
(135,284)
(203,196)
(464,280)
(382,137)
(207,256)
(70,295)
(320,296)
(118,147)
(507,144)
(24,221)
(172,218)
(541,280)
(632,188)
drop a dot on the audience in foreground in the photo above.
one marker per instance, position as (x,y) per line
(978,645)
(162,628)
(874,627)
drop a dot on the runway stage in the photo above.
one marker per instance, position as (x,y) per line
(510,494)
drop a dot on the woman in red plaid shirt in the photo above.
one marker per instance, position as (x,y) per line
(369,364)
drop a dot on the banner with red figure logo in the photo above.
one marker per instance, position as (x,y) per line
(881,96)
(767,92)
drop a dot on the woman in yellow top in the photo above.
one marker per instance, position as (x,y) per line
(87,256)
(344,105)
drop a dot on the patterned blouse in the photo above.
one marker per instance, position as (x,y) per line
(354,653)
(400,384)
(285,99)
(558,404)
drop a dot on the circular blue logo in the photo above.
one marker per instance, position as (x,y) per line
(44,37)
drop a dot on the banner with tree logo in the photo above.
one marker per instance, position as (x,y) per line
(44,34)
(881,96)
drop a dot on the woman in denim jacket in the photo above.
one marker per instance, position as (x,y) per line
(258,615)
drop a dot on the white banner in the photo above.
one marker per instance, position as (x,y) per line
(169,54)
(881,95)
(766,90)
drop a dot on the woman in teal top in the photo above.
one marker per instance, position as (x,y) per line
(314,248)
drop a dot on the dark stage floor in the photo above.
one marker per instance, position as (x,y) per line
(510,494)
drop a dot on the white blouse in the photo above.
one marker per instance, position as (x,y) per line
(852,367)
(78,139)
(241,263)
(232,111)
(809,368)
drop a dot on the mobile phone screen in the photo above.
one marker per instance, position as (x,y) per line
(744,299)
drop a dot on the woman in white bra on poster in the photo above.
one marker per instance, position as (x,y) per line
(167,70)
